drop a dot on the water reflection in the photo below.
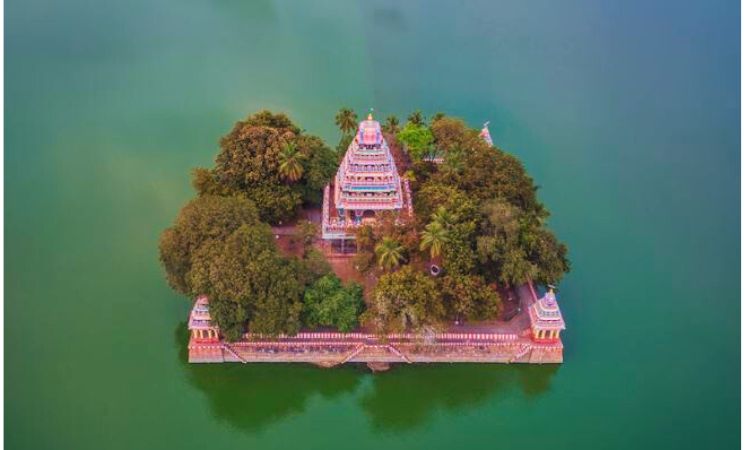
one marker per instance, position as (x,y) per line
(409,395)
(252,396)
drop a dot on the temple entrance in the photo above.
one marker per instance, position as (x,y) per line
(344,246)
(368,214)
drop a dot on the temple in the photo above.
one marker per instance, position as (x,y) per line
(366,183)
(545,319)
(485,134)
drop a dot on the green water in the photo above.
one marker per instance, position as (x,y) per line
(626,112)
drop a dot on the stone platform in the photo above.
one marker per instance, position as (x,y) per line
(515,341)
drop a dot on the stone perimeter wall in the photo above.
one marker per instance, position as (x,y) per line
(522,350)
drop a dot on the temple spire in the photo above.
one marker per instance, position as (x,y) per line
(485,134)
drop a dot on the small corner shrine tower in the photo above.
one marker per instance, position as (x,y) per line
(485,135)
(201,326)
(366,183)
(546,321)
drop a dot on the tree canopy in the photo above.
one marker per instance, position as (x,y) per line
(267,158)
(247,280)
(204,220)
(498,228)
(418,140)
(329,303)
(405,299)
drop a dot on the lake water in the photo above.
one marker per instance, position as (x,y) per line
(626,112)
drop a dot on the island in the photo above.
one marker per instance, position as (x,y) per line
(424,243)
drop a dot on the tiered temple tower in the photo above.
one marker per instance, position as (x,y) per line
(201,326)
(367,182)
(546,321)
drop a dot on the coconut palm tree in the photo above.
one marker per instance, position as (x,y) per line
(290,162)
(416,118)
(391,124)
(390,254)
(346,120)
(434,237)
(444,217)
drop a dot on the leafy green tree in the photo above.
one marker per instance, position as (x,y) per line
(328,303)
(255,160)
(548,254)
(278,121)
(391,124)
(468,297)
(448,203)
(320,168)
(498,245)
(450,133)
(416,118)
(418,140)
(346,120)
(390,253)
(458,255)
(445,217)
(403,300)
(434,238)
(247,280)
(290,165)
(203,220)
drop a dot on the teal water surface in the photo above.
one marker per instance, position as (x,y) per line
(626,112)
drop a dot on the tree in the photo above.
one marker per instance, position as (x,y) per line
(450,133)
(277,121)
(548,254)
(416,118)
(389,253)
(247,280)
(418,140)
(391,124)
(328,303)
(346,120)
(403,300)
(444,217)
(449,203)
(499,244)
(290,166)
(205,219)
(437,116)
(256,160)
(458,255)
(468,297)
(434,237)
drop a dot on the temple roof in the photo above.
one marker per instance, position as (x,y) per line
(485,134)
(367,178)
(545,313)
(200,318)
(369,132)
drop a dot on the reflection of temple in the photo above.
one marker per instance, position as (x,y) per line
(366,183)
